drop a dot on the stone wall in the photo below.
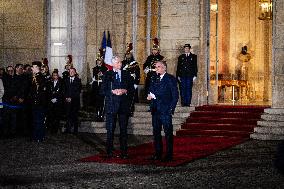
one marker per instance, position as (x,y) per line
(22,31)
(278,55)
(184,22)
(105,15)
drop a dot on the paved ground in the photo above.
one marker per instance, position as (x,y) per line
(52,164)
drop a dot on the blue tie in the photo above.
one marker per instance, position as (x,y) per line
(117,76)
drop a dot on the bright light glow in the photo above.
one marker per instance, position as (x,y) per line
(214,7)
(58,44)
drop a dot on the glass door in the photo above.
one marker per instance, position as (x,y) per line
(213,67)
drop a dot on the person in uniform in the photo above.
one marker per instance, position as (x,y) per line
(163,93)
(98,100)
(55,102)
(186,74)
(117,87)
(129,64)
(38,98)
(45,70)
(149,65)
(67,67)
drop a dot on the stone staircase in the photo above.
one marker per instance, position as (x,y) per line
(139,124)
(271,127)
(221,121)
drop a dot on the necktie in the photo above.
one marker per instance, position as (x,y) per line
(117,76)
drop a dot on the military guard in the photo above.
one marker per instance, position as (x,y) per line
(38,98)
(129,64)
(98,100)
(186,74)
(149,65)
(67,67)
(45,70)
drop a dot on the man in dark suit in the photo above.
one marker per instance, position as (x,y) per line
(117,87)
(55,99)
(163,93)
(186,74)
(72,93)
(149,65)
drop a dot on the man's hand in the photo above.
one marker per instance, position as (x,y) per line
(151,96)
(68,99)
(54,100)
(119,91)
(20,100)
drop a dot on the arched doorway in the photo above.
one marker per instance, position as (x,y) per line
(240,53)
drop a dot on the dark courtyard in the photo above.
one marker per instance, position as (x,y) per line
(54,164)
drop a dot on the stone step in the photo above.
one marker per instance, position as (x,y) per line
(137,129)
(270,123)
(261,136)
(137,120)
(279,111)
(101,125)
(273,117)
(270,130)
(145,108)
(148,114)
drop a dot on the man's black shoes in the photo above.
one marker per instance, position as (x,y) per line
(124,156)
(167,159)
(155,157)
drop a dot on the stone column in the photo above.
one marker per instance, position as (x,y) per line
(272,125)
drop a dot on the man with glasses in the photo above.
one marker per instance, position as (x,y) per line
(163,93)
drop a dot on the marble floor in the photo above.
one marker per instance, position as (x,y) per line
(52,164)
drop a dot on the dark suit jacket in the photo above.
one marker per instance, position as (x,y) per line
(73,90)
(114,103)
(166,93)
(56,91)
(187,66)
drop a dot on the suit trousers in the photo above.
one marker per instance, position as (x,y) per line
(72,111)
(186,90)
(38,123)
(165,120)
(111,119)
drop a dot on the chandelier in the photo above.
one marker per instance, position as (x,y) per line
(265,10)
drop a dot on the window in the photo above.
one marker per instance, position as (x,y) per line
(66,33)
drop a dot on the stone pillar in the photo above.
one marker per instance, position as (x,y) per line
(272,125)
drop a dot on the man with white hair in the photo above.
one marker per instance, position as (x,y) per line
(118,88)
(163,93)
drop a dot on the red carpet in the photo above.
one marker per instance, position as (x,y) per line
(207,130)
(186,149)
(222,121)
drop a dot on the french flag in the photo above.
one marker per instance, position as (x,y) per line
(104,44)
(108,54)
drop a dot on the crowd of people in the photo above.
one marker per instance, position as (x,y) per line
(34,101)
